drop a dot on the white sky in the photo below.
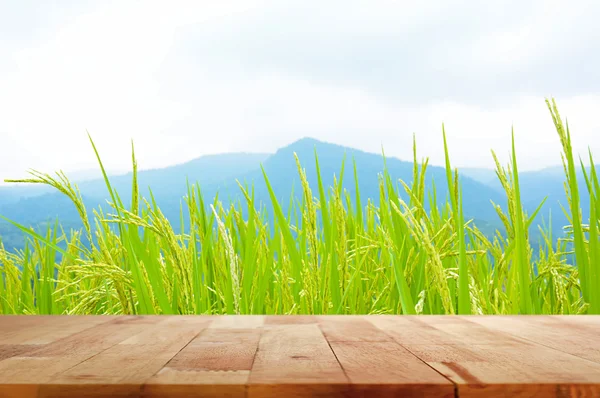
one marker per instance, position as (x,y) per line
(188,78)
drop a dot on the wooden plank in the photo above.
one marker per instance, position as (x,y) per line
(350,328)
(303,356)
(517,371)
(95,339)
(9,390)
(296,361)
(291,319)
(173,383)
(436,330)
(483,367)
(238,322)
(10,324)
(122,369)
(409,330)
(44,329)
(577,336)
(219,350)
(385,369)
(217,363)
(70,325)
(14,350)
(51,359)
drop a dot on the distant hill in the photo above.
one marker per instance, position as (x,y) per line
(537,185)
(282,172)
(482,175)
(218,173)
(170,182)
(33,204)
(14,193)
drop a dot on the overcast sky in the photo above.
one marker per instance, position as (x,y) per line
(183,79)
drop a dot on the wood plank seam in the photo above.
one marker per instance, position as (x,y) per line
(350,335)
(292,360)
(215,362)
(92,356)
(48,317)
(334,354)
(116,343)
(464,355)
(247,385)
(66,338)
(197,335)
(529,340)
(144,384)
(456,393)
(472,357)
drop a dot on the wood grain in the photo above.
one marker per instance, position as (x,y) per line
(388,370)
(579,338)
(482,366)
(42,365)
(216,363)
(299,356)
(124,367)
(351,328)
(295,361)
(44,329)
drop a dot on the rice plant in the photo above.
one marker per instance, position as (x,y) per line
(331,254)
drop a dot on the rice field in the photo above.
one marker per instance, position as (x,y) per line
(333,255)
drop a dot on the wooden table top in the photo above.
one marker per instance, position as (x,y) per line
(299,356)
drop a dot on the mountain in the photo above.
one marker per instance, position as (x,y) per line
(482,175)
(282,172)
(171,181)
(538,185)
(14,193)
(33,204)
(219,173)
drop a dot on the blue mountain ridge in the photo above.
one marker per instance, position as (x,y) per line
(34,206)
